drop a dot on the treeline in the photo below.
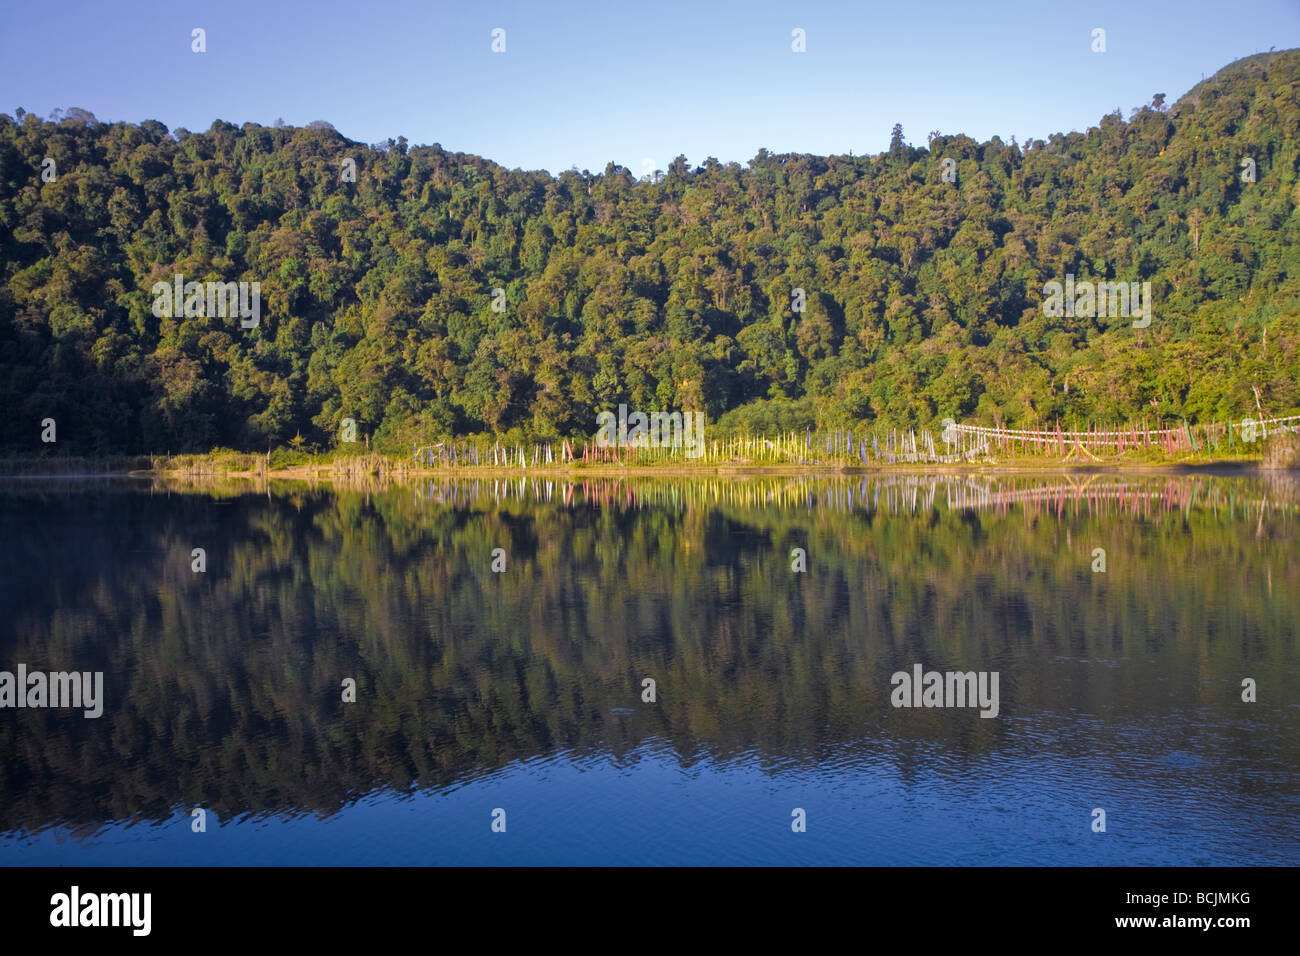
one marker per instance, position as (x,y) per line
(379,268)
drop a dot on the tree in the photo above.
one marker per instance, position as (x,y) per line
(896,140)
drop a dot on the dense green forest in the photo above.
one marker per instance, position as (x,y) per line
(923,298)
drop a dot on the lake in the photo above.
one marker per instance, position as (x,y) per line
(501,635)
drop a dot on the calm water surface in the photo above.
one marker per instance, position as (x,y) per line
(522,690)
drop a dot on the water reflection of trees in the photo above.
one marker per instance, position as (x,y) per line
(223,687)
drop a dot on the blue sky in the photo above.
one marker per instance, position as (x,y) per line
(584,83)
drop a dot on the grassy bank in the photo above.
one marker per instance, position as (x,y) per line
(1278,452)
(72,466)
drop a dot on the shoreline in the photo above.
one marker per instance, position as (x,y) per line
(571,472)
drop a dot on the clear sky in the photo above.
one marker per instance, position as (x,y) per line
(584,83)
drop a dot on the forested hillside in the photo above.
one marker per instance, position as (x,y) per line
(923,298)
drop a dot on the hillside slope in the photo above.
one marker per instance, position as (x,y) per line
(923,298)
